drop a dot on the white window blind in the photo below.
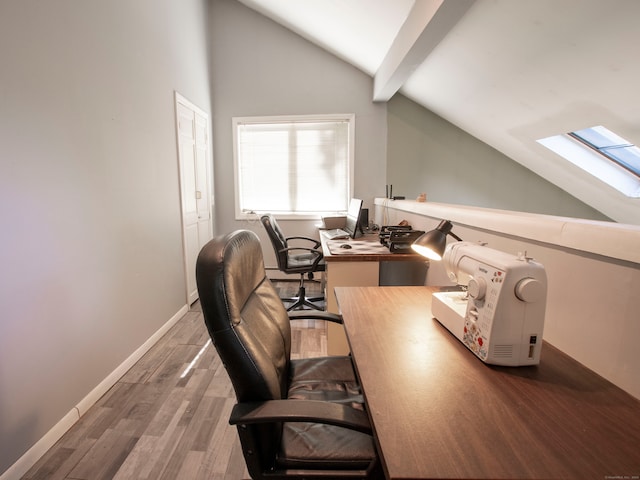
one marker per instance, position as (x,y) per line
(296,166)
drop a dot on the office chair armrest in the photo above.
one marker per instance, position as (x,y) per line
(315,315)
(316,243)
(310,250)
(314,411)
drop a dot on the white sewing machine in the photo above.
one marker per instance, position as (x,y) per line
(500,317)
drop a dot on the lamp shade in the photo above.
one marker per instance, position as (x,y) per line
(433,243)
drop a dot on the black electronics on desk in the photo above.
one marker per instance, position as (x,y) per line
(399,238)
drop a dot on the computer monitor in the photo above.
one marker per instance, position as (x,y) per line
(352,224)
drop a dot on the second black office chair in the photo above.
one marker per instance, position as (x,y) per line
(303,260)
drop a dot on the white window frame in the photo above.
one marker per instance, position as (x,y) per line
(594,163)
(609,144)
(240,213)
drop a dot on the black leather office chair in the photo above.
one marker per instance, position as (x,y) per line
(296,419)
(296,259)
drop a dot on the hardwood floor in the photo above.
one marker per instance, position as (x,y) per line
(167,418)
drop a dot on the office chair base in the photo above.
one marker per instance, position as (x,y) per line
(300,304)
(301,301)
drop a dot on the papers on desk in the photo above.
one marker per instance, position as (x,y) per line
(363,247)
(335,234)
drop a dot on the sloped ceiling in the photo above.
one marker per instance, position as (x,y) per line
(508,72)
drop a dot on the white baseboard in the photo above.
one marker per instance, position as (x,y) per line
(124,367)
(31,456)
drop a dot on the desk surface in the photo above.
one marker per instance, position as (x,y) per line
(366,248)
(439,412)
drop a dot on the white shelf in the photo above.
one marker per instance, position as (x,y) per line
(610,239)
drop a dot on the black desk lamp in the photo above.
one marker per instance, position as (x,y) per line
(433,243)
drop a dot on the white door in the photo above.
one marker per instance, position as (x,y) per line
(194,152)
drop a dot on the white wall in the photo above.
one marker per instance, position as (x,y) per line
(512,72)
(91,248)
(593,272)
(261,68)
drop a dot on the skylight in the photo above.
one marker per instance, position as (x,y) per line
(603,154)
(612,146)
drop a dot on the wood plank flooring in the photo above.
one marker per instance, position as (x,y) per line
(167,418)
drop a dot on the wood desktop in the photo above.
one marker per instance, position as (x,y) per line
(439,412)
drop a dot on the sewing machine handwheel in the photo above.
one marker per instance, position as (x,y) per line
(529,290)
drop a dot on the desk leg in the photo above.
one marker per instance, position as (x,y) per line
(345,274)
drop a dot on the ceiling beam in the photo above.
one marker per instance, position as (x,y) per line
(428,22)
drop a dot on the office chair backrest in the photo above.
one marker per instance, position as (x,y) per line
(244,315)
(278,240)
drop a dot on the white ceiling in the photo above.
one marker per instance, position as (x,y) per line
(508,72)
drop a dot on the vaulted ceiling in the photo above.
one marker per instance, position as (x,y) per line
(508,72)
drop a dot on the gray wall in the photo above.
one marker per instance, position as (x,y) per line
(90,244)
(428,154)
(261,68)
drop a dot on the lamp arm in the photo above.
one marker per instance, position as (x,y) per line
(455,236)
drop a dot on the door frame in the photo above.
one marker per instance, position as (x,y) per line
(181,100)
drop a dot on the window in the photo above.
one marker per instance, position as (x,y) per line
(612,146)
(296,167)
(603,154)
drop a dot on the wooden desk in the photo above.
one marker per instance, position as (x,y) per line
(439,412)
(359,266)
